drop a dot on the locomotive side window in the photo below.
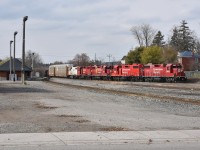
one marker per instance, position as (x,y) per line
(147,67)
(135,67)
(177,66)
(126,66)
(174,67)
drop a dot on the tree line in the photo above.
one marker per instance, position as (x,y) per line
(154,49)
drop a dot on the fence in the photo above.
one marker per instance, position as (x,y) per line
(192,74)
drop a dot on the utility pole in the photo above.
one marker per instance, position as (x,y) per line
(95,60)
(23,51)
(109,57)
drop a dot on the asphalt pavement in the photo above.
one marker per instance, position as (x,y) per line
(176,139)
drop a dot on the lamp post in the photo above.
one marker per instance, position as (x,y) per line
(15,33)
(23,50)
(10,60)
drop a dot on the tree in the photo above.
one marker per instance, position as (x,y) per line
(143,34)
(158,40)
(97,62)
(38,66)
(187,41)
(136,31)
(183,38)
(169,55)
(33,57)
(175,39)
(80,60)
(197,48)
(152,54)
(134,56)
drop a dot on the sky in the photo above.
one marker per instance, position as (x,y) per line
(59,29)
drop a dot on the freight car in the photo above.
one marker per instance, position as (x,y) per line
(133,72)
(62,70)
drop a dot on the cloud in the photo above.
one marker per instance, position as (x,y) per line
(59,29)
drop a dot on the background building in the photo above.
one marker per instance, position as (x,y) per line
(190,60)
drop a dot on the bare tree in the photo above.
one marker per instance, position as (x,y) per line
(144,34)
(34,61)
(33,57)
(137,34)
(80,60)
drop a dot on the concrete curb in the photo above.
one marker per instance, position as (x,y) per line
(87,138)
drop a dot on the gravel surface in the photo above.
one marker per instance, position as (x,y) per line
(45,107)
(180,90)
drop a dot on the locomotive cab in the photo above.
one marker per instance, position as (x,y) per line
(175,72)
(179,72)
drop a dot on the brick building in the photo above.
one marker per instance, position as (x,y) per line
(189,60)
(5,69)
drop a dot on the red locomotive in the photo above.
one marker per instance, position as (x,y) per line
(164,72)
(133,72)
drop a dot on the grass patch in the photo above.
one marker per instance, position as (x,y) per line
(42,106)
(82,121)
(68,116)
(115,129)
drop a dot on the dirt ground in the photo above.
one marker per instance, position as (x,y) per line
(42,107)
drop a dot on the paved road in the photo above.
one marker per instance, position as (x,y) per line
(180,139)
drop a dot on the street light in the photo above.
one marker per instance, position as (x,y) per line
(15,33)
(23,50)
(10,60)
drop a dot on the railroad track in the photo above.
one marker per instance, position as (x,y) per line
(159,84)
(131,93)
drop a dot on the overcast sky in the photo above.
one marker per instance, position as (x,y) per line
(60,29)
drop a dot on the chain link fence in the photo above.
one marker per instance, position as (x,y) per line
(192,74)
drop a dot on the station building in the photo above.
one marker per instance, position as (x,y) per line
(5,70)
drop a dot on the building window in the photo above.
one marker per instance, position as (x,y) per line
(196,60)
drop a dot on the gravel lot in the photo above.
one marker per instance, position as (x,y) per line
(47,107)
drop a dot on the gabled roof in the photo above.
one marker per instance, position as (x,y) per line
(188,54)
(5,66)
